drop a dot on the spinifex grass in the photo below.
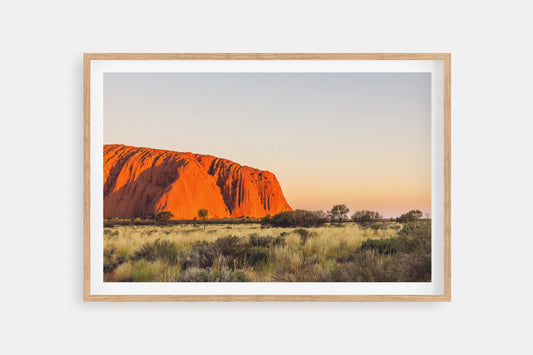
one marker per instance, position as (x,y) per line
(248,252)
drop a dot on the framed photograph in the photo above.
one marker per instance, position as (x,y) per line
(267,177)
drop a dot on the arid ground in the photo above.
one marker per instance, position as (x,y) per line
(350,252)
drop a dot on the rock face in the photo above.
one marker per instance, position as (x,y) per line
(143,181)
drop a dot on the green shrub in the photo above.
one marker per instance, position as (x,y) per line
(386,246)
(209,275)
(187,231)
(418,230)
(282,219)
(411,267)
(111,232)
(163,217)
(410,216)
(193,274)
(164,250)
(256,256)
(142,272)
(232,249)
(112,260)
(365,267)
(366,216)
(256,240)
(296,218)
(304,234)
(202,255)
(409,254)
(230,246)
(380,225)
(338,214)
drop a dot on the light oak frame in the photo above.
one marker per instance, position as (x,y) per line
(88,57)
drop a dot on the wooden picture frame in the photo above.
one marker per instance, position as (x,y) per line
(443,59)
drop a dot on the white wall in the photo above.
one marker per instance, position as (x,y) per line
(41,308)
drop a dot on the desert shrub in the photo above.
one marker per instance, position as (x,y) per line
(232,249)
(411,267)
(164,250)
(137,271)
(366,216)
(296,218)
(187,231)
(202,255)
(277,241)
(265,221)
(146,251)
(412,236)
(163,217)
(256,256)
(230,245)
(124,273)
(418,230)
(408,255)
(282,219)
(359,266)
(365,267)
(304,218)
(108,224)
(410,216)
(111,232)
(195,274)
(389,246)
(112,260)
(142,272)
(304,234)
(256,240)
(333,274)
(316,218)
(230,276)
(414,264)
(381,225)
(340,255)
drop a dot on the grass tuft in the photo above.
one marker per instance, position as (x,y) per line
(349,252)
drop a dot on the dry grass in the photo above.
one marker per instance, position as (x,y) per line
(318,254)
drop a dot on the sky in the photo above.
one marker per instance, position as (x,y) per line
(360,139)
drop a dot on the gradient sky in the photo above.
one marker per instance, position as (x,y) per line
(363,139)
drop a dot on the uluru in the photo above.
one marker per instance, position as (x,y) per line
(139,182)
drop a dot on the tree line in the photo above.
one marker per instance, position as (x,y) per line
(337,215)
(304,218)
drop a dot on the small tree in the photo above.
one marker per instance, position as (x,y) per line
(366,216)
(265,221)
(410,216)
(163,216)
(202,214)
(283,219)
(338,213)
(318,218)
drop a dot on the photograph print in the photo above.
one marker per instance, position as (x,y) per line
(315,177)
